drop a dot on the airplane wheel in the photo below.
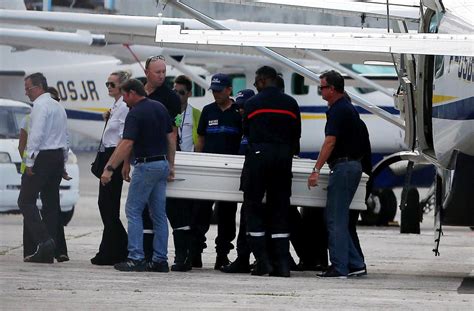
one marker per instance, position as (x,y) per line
(381,209)
(410,216)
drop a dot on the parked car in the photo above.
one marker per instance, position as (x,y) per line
(11,116)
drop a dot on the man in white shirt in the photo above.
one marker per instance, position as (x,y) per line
(46,154)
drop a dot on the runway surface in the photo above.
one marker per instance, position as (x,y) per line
(403,273)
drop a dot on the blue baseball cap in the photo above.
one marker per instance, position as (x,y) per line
(219,82)
(242,97)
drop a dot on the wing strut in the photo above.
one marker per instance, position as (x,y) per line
(287,63)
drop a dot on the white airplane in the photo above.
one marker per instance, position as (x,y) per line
(80,78)
(435,76)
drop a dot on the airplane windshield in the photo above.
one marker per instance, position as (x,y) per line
(10,121)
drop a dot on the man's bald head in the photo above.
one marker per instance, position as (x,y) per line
(155,71)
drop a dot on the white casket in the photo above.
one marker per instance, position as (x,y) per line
(217,177)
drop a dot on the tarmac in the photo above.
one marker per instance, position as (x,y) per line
(403,273)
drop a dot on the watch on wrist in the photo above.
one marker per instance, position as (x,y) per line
(110,168)
(315,170)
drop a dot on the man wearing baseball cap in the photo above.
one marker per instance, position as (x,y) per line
(220,131)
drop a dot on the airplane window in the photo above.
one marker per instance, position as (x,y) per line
(198,91)
(439,66)
(8,129)
(238,83)
(297,85)
(364,90)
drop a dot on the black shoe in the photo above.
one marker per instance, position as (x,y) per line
(358,272)
(131,265)
(302,266)
(157,266)
(62,258)
(221,261)
(181,267)
(238,266)
(293,265)
(44,253)
(100,261)
(333,274)
(197,261)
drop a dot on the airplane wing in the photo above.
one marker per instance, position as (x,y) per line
(408,10)
(428,44)
(121,29)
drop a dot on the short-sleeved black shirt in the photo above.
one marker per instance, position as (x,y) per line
(273,117)
(222,129)
(343,122)
(147,124)
(169,99)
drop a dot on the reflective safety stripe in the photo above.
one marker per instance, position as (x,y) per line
(256,234)
(149,231)
(280,111)
(280,235)
(185,228)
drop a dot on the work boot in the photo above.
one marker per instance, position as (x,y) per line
(281,249)
(44,253)
(181,240)
(293,265)
(195,252)
(259,250)
(221,261)
(240,265)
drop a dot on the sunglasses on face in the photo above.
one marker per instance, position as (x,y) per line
(110,84)
(321,87)
(180,92)
(153,58)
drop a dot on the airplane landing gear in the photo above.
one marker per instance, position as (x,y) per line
(411,213)
(381,208)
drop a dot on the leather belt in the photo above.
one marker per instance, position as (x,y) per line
(150,159)
(340,160)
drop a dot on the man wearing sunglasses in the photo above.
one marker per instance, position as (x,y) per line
(155,71)
(183,214)
(341,149)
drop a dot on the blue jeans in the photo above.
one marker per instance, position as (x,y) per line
(148,186)
(343,181)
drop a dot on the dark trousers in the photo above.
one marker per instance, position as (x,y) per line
(267,170)
(353,219)
(113,246)
(39,227)
(243,248)
(181,213)
(225,212)
(185,214)
(315,237)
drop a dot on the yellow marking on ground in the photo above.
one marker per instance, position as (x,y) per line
(440,99)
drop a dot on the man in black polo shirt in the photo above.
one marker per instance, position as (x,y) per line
(342,151)
(148,132)
(155,71)
(272,123)
(220,131)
